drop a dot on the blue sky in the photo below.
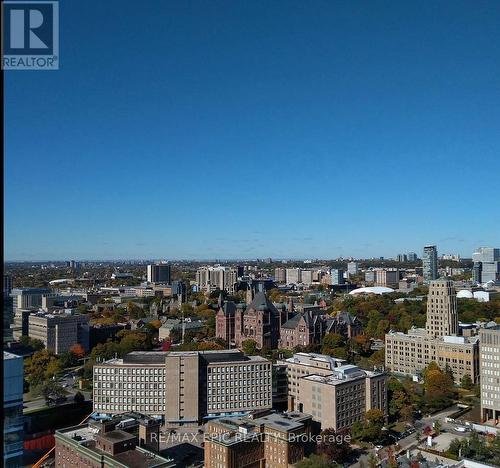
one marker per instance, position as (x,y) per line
(181,129)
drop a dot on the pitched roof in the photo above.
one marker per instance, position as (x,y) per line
(261,302)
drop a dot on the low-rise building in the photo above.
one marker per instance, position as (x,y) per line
(272,440)
(131,441)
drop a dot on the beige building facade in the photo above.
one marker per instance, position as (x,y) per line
(410,353)
(183,387)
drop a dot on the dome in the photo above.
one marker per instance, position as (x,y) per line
(464,294)
(372,290)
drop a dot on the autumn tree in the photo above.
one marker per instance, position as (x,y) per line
(77,350)
(334,446)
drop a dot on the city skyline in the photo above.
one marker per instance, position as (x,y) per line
(231,130)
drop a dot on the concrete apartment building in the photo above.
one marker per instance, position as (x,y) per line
(183,387)
(336,276)
(211,278)
(335,393)
(130,441)
(59,330)
(409,353)
(352,269)
(273,440)
(489,365)
(280,275)
(293,276)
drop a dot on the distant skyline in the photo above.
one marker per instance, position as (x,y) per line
(287,129)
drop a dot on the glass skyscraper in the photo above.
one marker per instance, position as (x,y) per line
(430,263)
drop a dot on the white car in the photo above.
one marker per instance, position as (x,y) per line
(460,429)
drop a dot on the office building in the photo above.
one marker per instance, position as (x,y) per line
(280,275)
(386,277)
(412,257)
(59,330)
(13,433)
(179,289)
(218,277)
(293,275)
(402,258)
(159,273)
(430,263)
(489,365)
(409,353)
(128,441)
(334,392)
(273,440)
(183,388)
(352,269)
(336,276)
(8,318)
(7,284)
(487,265)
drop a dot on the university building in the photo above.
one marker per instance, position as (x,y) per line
(410,353)
(490,374)
(272,440)
(183,388)
(335,393)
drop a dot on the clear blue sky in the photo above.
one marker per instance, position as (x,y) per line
(180,129)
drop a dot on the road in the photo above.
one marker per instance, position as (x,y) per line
(411,441)
(69,383)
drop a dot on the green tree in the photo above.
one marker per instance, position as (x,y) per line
(249,347)
(466,382)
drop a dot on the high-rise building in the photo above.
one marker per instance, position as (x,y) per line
(307,277)
(487,264)
(159,273)
(337,276)
(352,268)
(402,258)
(442,316)
(7,284)
(13,434)
(412,257)
(280,275)
(430,263)
(409,353)
(211,278)
(387,277)
(489,363)
(293,275)
(183,387)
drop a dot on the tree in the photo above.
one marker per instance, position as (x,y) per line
(372,461)
(466,382)
(52,389)
(33,343)
(249,347)
(437,427)
(333,446)
(374,421)
(316,461)
(77,350)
